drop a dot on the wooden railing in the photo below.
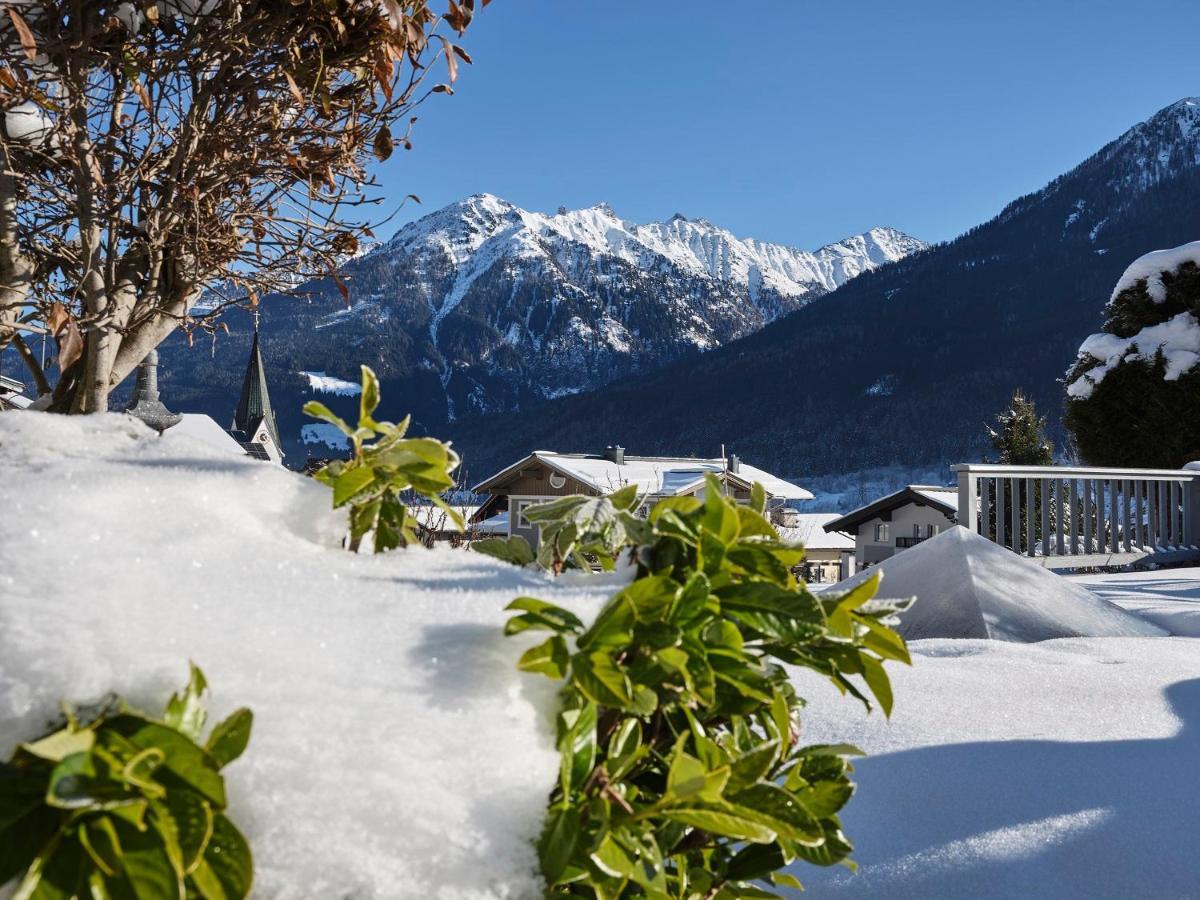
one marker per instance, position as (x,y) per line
(1066,517)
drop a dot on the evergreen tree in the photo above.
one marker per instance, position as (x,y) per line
(1019,435)
(1133,395)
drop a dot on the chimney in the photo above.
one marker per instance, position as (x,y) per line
(734,463)
(615,454)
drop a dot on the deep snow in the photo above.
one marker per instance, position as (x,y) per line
(396,751)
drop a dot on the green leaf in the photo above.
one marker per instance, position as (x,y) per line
(599,679)
(549,658)
(230,737)
(369,400)
(186,824)
(626,498)
(316,410)
(841,605)
(185,712)
(877,680)
(758,498)
(61,744)
(146,864)
(782,811)
(753,765)
(755,861)
(540,615)
(558,841)
(825,798)
(687,775)
(184,763)
(577,745)
(56,873)
(515,549)
(613,859)
(351,484)
(226,866)
(691,600)
(725,819)
(612,626)
(883,641)
(78,782)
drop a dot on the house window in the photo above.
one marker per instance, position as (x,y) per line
(881,533)
(523,505)
(916,531)
(931,530)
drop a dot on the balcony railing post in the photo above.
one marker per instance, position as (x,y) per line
(1191,510)
(968,499)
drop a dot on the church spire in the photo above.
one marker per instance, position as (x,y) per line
(254,405)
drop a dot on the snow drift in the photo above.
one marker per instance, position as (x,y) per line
(968,587)
(396,751)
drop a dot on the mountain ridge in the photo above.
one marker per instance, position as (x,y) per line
(905,363)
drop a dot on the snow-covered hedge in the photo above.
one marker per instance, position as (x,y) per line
(397,751)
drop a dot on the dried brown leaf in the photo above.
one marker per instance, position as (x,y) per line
(28,44)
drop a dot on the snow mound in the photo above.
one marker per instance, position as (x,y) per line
(968,587)
(396,751)
(1152,266)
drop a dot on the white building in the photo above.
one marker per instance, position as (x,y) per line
(544,475)
(898,521)
(828,555)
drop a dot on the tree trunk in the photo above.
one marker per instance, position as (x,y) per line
(16,273)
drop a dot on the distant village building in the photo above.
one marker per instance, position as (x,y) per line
(12,394)
(898,521)
(828,555)
(545,474)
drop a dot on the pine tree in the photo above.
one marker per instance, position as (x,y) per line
(1133,394)
(1019,435)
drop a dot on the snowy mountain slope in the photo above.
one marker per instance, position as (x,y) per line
(482,306)
(904,364)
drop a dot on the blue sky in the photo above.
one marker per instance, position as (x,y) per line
(787,120)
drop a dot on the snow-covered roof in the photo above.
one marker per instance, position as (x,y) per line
(969,587)
(200,427)
(659,476)
(809,530)
(941,498)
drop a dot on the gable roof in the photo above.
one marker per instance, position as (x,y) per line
(254,405)
(660,476)
(943,499)
(809,530)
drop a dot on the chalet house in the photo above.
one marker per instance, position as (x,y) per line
(897,521)
(828,555)
(544,475)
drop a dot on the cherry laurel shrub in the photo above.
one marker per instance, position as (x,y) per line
(126,806)
(682,774)
(384,464)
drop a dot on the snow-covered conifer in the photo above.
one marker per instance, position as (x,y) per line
(1133,393)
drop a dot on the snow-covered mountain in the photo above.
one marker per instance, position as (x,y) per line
(509,306)
(932,346)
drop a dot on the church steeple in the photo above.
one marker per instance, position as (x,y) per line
(254,406)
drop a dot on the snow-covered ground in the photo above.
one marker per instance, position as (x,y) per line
(397,753)
(396,750)
(1061,769)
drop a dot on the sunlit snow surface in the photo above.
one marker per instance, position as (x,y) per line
(1063,769)
(398,754)
(396,751)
